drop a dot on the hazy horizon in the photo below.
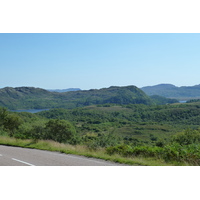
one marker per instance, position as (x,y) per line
(101,87)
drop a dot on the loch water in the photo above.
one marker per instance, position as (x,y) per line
(30,110)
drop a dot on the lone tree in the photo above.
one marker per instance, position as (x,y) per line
(59,130)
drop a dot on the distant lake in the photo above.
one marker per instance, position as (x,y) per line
(30,111)
(182,101)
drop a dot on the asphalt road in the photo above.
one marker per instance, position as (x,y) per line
(17,156)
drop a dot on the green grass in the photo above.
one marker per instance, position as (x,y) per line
(83,151)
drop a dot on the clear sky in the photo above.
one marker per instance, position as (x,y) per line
(89,61)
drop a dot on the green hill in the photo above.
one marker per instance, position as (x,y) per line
(114,95)
(25,98)
(171,91)
(37,98)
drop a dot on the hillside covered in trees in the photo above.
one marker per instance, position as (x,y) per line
(171,91)
(37,98)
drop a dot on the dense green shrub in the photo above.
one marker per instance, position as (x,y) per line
(11,123)
(3,132)
(187,137)
(3,115)
(127,150)
(103,140)
(173,152)
(59,130)
(123,149)
(188,153)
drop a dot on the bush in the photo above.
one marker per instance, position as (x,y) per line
(187,137)
(59,130)
(188,153)
(127,150)
(123,149)
(3,132)
(12,123)
(173,152)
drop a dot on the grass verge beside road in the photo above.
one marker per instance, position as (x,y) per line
(83,151)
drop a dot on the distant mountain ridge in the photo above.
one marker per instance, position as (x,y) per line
(172,91)
(64,90)
(37,98)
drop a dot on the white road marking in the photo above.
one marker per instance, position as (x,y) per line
(23,162)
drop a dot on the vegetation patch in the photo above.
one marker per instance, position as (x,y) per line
(137,134)
(81,150)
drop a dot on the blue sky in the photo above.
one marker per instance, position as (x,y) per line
(88,61)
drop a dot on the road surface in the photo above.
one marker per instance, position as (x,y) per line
(17,156)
